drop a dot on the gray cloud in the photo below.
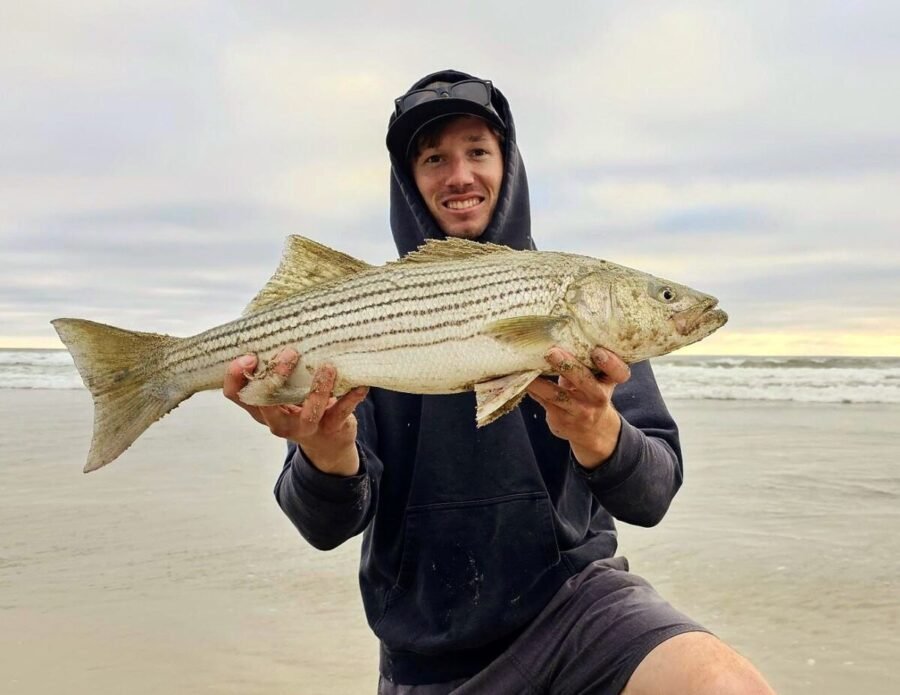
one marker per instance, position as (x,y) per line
(153,156)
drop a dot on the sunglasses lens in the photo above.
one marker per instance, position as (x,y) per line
(471,91)
(415,98)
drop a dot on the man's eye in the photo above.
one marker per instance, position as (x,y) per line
(479,152)
(432,159)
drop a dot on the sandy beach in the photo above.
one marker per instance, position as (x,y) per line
(173,570)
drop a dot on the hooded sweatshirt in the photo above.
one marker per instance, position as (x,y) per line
(468,533)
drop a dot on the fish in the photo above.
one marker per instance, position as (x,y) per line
(453,316)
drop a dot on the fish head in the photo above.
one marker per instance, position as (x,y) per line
(655,316)
(639,316)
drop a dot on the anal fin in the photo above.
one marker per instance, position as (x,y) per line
(497,397)
(262,392)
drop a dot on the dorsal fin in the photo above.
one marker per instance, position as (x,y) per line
(304,264)
(434,250)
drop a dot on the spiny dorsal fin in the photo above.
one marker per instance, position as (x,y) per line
(435,250)
(304,264)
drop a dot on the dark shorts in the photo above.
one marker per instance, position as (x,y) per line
(589,639)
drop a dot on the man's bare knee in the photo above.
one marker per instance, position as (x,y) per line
(697,663)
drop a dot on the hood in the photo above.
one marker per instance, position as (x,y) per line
(412,223)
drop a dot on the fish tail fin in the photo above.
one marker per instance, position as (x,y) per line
(127,377)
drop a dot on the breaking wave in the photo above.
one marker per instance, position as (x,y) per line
(802,379)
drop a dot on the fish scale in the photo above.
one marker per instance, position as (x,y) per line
(454,316)
(402,316)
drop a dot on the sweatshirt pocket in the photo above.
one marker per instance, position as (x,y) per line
(471,573)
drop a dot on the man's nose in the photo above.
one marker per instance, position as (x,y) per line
(460,173)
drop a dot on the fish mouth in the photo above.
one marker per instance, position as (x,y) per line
(703,318)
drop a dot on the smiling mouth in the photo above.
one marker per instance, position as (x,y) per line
(463,204)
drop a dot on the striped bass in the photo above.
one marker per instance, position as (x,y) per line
(453,316)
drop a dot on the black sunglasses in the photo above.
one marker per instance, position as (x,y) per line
(477,91)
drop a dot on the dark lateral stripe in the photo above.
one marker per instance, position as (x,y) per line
(471,319)
(354,292)
(425,343)
(413,309)
(340,301)
(224,340)
(235,333)
(263,342)
(403,346)
(221,349)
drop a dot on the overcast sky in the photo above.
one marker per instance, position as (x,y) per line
(154,155)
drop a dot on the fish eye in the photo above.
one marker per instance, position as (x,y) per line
(666,294)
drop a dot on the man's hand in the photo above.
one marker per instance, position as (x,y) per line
(323,426)
(579,407)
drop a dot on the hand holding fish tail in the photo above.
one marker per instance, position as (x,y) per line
(323,426)
(579,406)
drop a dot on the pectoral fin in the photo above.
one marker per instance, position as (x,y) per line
(497,397)
(526,331)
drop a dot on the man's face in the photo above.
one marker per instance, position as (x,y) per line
(460,176)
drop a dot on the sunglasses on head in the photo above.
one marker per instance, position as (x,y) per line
(477,91)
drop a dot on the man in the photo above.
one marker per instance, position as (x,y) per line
(487,559)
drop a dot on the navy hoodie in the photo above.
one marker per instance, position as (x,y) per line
(469,532)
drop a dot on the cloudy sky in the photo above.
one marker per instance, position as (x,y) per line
(153,155)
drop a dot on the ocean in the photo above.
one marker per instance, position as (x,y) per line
(800,379)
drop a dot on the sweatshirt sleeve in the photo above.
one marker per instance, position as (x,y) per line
(328,509)
(637,483)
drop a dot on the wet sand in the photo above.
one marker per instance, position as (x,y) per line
(172,570)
